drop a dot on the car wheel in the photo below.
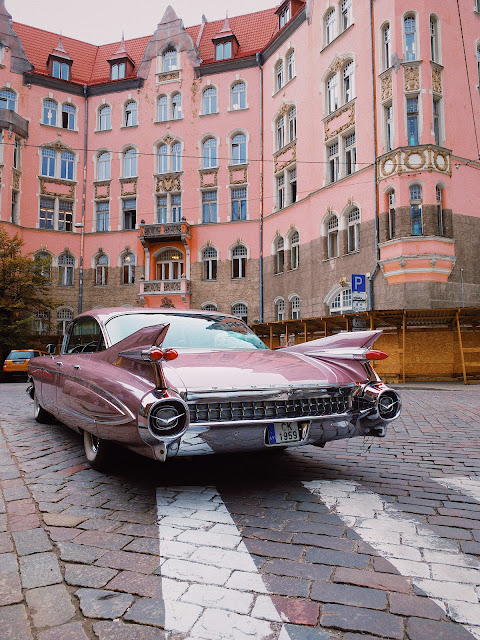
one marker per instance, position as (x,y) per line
(39,413)
(96,450)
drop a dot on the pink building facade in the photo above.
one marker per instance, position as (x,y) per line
(250,165)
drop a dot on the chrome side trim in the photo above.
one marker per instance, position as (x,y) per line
(266,421)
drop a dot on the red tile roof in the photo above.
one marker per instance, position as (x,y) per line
(90,62)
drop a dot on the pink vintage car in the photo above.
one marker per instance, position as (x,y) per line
(169,382)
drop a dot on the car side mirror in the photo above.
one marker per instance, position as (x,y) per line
(51,349)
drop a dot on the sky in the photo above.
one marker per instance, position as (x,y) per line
(101,22)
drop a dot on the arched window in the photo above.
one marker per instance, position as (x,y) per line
(130,163)
(342,303)
(279,309)
(128,268)
(239,149)
(348,82)
(239,261)
(104,118)
(209,153)
(48,162)
(416,209)
(240,310)
(387,45)
(69,114)
(295,250)
(332,93)
(8,99)
(332,237)
(210,100)
(66,265)
(209,259)
(346,14)
(131,114)
(391,214)
(170,59)
(163,158)
(434,39)
(162,108)
(279,254)
(45,266)
(209,306)
(295,308)
(176,156)
(50,111)
(170,264)
(280,132)
(103,166)
(330,24)
(101,270)
(239,96)
(439,199)
(67,163)
(41,322)
(279,75)
(410,38)
(291,65)
(353,230)
(177,106)
(64,317)
(292,124)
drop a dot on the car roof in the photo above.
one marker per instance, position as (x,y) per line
(105,314)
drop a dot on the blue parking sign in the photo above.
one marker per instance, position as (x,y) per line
(359,282)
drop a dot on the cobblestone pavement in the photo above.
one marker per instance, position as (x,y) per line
(362,540)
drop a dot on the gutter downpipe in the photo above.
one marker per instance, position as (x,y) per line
(371,304)
(259,63)
(82,240)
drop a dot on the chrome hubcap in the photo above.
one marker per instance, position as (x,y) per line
(94,443)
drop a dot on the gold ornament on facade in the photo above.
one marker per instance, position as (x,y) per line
(441,161)
(169,76)
(102,185)
(424,158)
(386,87)
(209,172)
(437,80)
(168,139)
(16,179)
(338,62)
(279,164)
(411,154)
(349,123)
(45,191)
(128,186)
(412,78)
(241,180)
(170,183)
(391,160)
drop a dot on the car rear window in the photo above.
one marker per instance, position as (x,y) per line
(20,355)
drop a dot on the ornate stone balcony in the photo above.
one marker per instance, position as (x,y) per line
(161,287)
(419,158)
(11,121)
(165,232)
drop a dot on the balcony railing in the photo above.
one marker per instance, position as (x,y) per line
(166,231)
(157,287)
(10,120)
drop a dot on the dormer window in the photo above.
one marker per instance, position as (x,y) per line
(225,42)
(223,50)
(120,63)
(61,70)
(59,62)
(284,16)
(118,71)
(170,60)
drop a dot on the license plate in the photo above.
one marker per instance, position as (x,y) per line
(284,432)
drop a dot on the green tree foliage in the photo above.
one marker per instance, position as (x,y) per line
(24,289)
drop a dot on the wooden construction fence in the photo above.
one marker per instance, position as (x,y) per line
(423,344)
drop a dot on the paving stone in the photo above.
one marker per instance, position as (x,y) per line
(195,572)
(100,524)
(138,583)
(21,507)
(350,595)
(39,570)
(31,541)
(208,596)
(15,493)
(357,619)
(297,611)
(372,579)
(6,544)
(132,529)
(172,616)
(62,520)
(337,558)
(70,631)
(148,545)
(358,636)
(327,542)
(50,606)
(99,603)
(10,588)
(118,630)
(103,539)
(298,569)
(219,625)
(283,586)
(71,552)
(415,606)
(295,632)
(21,522)
(82,575)
(129,560)
(263,534)
(62,534)
(14,623)
(421,629)
(265,609)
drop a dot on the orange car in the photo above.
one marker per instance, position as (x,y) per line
(17,361)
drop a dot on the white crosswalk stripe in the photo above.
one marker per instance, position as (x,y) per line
(432,563)
(467,486)
(210,584)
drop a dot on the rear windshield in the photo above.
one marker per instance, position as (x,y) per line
(20,355)
(189,331)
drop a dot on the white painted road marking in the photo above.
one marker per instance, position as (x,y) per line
(434,564)
(211,587)
(467,486)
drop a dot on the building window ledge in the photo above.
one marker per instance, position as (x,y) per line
(337,37)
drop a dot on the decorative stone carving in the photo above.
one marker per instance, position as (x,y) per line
(68,190)
(238,176)
(168,183)
(128,186)
(386,87)
(419,158)
(168,76)
(412,78)
(102,190)
(16,179)
(208,178)
(437,79)
(341,120)
(285,157)
(338,62)
(168,139)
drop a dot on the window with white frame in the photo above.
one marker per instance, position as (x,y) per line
(61,70)
(434,40)
(241,311)
(209,261)
(209,206)
(279,309)
(69,114)
(412,121)
(348,81)
(41,322)
(170,59)
(46,213)
(170,263)
(332,93)
(437,111)
(128,268)
(169,208)
(45,268)
(129,214)
(8,99)
(104,166)
(65,215)
(333,162)
(330,26)
(209,100)
(130,119)
(101,270)
(209,306)
(292,185)
(391,214)
(163,158)
(162,209)
(66,266)
(176,157)
(103,216)
(239,262)
(57,164)
(280,191)
(118,71)
(14,207)
(284,16)
(280,132)
(279,75)
(291,65)
(17,153)
(104,118)
(55,214)
(223,50)
(350,154)
(342,303)
(292,124)
(209,153)
(332,237)
(389,131)
(177,106)
(67,165)
(295,250)
(387,47)
(239,203)
(239,96)
(239,149)
(416,210)
(162,108)
(50,112)
(295,308)
(346,14)
(64,317)
(130,163)
(176,205)
(440,220)
(410,37)
(279,254)
(353,236)
(49,160)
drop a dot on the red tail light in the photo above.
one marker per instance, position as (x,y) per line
(376,355)
(170,354)
(156,354)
